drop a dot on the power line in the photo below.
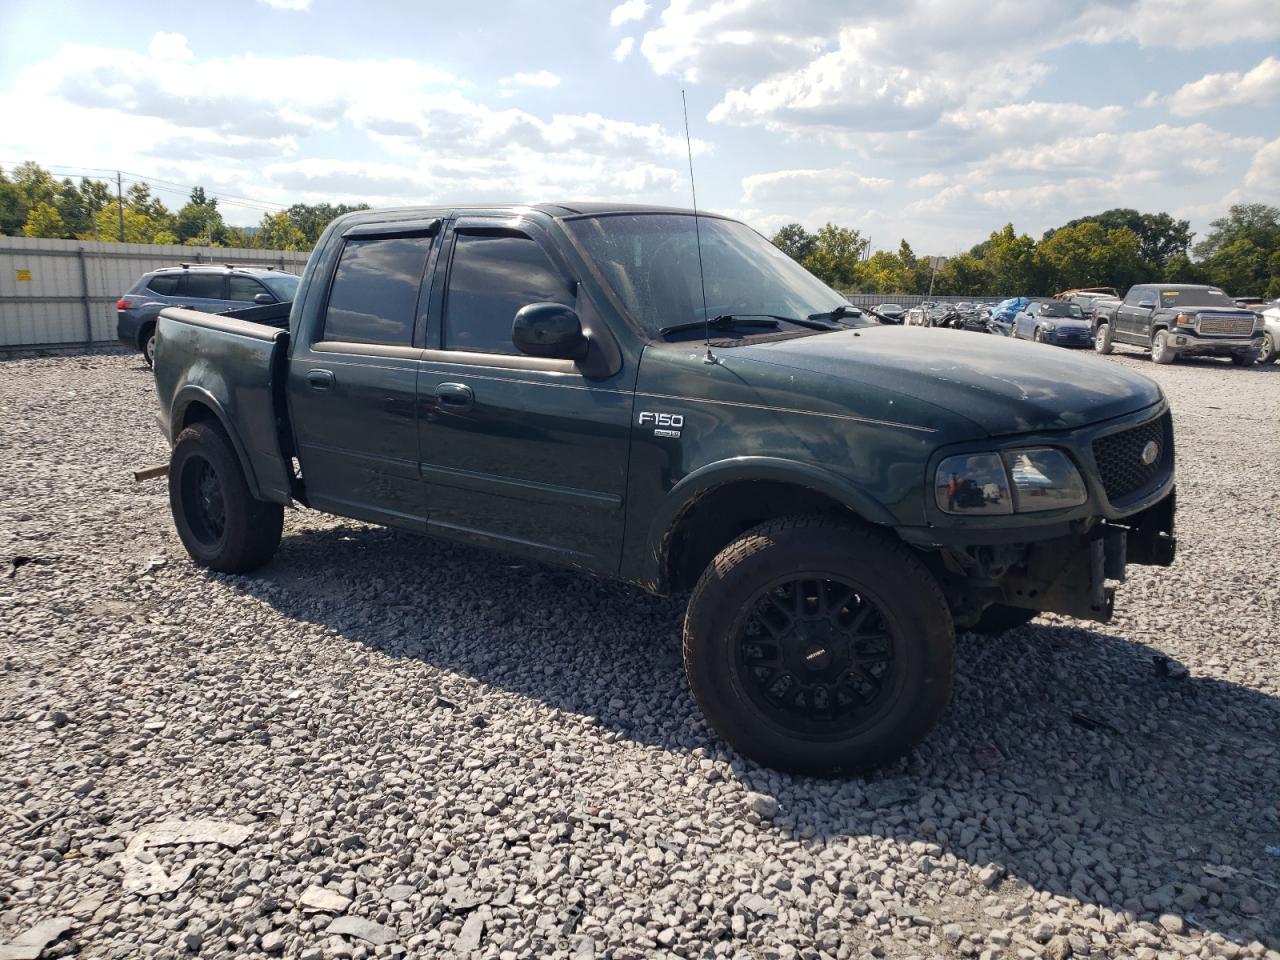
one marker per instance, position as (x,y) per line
(269,206)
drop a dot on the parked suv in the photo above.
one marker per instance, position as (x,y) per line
(1180,319)
(209,288)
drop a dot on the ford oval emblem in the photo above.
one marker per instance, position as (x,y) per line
(1150,453)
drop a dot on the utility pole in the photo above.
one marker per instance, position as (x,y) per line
(120,204)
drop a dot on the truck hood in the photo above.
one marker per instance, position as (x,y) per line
(1003,386)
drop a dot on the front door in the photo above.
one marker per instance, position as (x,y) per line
(521,453)
(1131,319)
(353,389)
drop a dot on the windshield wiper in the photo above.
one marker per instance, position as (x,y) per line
(844,310)
(726,321)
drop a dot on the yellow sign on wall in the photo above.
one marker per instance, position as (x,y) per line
(23,274)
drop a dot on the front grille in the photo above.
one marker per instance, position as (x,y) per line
(1119,459)
(1225,326)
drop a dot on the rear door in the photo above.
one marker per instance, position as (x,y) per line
(203,290)
(353,386)
(522,453)
(1131,319)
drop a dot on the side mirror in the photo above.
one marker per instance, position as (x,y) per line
(549,330)
(264,298)
(1146,304)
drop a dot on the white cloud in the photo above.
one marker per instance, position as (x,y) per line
(807,185)
(624,48)
(1258,86)
(1263,178)
(1182,24)
(265,126)
(299,5)
(628,11)
(169,46)
(543,79)
(928,181)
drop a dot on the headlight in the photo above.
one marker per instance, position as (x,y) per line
(985,484)
(1183,319)
(1047,326)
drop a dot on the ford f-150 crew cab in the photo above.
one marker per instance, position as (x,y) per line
(1179,319)
(564,383)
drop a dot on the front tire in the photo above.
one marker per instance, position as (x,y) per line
(819,647)
(1269,352)
(1038,336)
(1160,352)
(220,523)
(1102,339)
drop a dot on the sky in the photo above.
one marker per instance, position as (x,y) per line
(934,120)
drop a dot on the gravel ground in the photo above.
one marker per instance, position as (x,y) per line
(409,748)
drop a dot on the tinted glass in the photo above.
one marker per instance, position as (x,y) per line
(283,285)
(651,261)
(492,277)
(243,288)
(204,286)
(166,284)
(374,298)
(1060,310)
(1211,297)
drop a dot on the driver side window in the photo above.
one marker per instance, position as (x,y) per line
(1134,296)
(491,276)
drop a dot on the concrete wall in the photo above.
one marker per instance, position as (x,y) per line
(56,293)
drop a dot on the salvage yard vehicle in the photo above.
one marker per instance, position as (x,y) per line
(209,287)
(1270,349)
(562,382)
(891,312)
(1180,319)
(1052,321)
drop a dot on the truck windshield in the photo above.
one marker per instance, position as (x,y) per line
(1206,297)
(651,262)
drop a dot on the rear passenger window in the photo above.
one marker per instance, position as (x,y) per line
(491,277)
(204,286)
(374,297)
(243,288)
(166,285)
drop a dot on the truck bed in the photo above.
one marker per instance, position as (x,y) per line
(232,369)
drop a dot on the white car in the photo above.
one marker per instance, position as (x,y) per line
(1270,332)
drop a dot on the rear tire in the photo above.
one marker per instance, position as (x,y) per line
(1102,339)
(221,524)
(149,345)
(1160,352)
(998,619)
(819,647)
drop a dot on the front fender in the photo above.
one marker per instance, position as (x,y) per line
(708,477)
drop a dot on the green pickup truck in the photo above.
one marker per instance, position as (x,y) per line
(665,398)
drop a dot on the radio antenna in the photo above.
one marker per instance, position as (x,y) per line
(697,232)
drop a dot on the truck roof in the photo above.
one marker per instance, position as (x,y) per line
(558,211)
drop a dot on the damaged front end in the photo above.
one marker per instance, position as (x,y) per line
(1070,574)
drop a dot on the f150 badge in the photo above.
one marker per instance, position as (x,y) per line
(664,424)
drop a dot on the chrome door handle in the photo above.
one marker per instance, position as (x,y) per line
(455,394)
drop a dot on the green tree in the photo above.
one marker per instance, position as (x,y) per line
(1011,258)
(199,222)
(12,212)
(795,241)
(963,275)
(1159,235)
(885,272)
(138,227)
(836,255)
(44,221)
(311,219)
(1241,268)
(278,232)
(1255,222)
(1181,269)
